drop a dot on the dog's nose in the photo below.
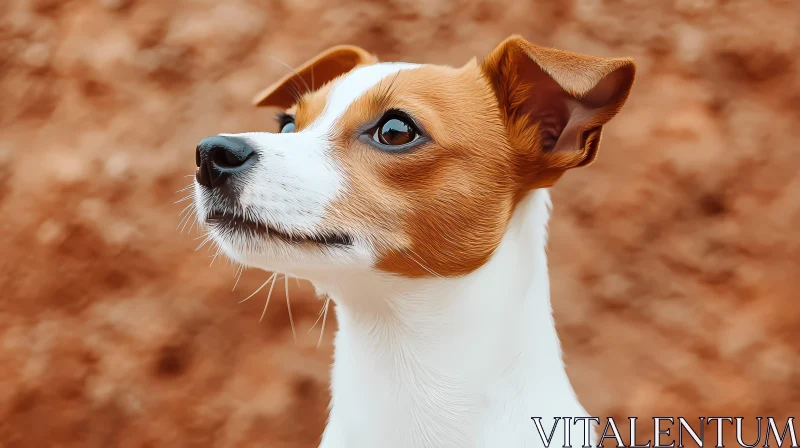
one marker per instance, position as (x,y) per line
(219,158)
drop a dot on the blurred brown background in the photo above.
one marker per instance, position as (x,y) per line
(673,258)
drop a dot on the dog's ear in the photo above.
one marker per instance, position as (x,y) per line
(317,71)
(555,103)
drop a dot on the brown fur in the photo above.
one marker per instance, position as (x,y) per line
(441,208)
(554,104)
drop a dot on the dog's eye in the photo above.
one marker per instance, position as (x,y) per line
(287,127)
(395,130)
(285,122)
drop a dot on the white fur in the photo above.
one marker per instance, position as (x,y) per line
(440,362)
(461,362)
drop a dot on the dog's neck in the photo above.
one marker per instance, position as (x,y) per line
(456,362)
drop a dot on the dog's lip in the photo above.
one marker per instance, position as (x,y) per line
(237,223)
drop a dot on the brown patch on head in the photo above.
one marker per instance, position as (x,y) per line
(492,133)
(440,208)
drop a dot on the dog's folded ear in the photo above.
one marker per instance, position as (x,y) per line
(315,72)
(555,103)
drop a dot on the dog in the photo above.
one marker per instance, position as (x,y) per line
(416,198)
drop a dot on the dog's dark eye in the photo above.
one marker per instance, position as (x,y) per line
(285,123)
(395,130)
(288,127)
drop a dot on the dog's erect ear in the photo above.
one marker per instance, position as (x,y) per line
(315,72)
(555,103)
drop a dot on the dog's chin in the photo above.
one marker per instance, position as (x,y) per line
(261,245)
(238,228)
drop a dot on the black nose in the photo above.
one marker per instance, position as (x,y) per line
(219,158)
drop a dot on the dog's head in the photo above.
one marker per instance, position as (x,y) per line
(408,169)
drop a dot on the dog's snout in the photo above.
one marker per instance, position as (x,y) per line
(218,158)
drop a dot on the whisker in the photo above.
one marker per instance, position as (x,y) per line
(193,224)
(324,318)
(187,198)
(289,306)
(186,208)
(292,69)
(192,215)
(269,296)
(294,89)
(185,218)
(215,257)
(185,222)
(205,241)
(319,315)
(257,290)
(185,188)
(238,277)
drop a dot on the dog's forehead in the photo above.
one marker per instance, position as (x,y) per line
(352,86)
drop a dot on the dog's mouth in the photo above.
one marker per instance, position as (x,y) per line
(229,223)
